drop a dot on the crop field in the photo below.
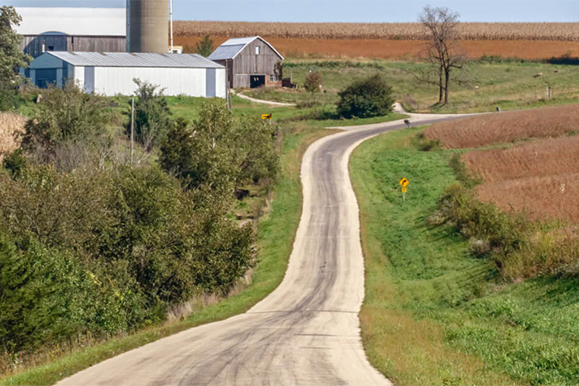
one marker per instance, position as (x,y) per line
(541,177)
(399,41)
(404,49)
(506,127)
(390,31)
(10,124)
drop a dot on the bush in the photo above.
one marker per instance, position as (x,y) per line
(367,98)
(9,99)
(152,115)
(313,82)
(220,151)
(66,115)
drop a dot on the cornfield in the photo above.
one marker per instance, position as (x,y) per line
(10,126)
(506,127)
(391,31)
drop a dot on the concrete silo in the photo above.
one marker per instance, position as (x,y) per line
(148,26)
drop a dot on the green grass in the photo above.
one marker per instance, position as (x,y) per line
(276,231)
(484,86)
(434,314)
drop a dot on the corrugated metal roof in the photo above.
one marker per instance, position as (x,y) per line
(231,48)
(72,21)
(122,59)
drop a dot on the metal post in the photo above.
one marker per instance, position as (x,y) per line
(227,85)
(171,14)
(132,126)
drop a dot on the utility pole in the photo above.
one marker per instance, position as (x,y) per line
(171,14)
(132,126)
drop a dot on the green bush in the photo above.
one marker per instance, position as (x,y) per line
(9,99)
(152,115)
(370,97)
(313,82)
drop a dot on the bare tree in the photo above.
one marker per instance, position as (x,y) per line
(443,48)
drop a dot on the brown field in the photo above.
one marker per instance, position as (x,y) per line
(506,127)
(391,31)
(404,49)
(10,125)
(541,177)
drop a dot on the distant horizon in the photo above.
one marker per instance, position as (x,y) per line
(341,11)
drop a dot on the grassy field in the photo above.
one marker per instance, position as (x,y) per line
(433,313)
(485,86)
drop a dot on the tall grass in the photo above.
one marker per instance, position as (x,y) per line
(10,126)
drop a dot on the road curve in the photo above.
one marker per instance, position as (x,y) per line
(307,331)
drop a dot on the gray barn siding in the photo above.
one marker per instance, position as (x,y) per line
(32,45)
(248,63)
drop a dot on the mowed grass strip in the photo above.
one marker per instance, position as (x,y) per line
(433,313)
(506,127)
(276,232)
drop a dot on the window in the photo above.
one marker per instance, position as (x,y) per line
(50,48)
(257,50)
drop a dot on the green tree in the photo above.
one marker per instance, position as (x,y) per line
(204,47)
(313,82)
(370,97)
(63,118)
(152,115)
(11,55)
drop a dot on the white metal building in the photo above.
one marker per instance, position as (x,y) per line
(72,29)
(113,73)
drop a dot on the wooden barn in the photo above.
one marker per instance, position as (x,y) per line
(250,62)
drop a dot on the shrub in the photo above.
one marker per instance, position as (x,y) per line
(204,47)
(152,115)
(66,115)
(370,97)
(9,99)
(15,163)
(313,82)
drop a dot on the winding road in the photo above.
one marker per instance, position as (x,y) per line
(307,331)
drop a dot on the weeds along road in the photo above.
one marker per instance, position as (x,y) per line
(307,331)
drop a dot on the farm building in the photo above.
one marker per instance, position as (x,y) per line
(72,29)
(250,61)
(113,73)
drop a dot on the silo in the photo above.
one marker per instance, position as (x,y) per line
(148,26)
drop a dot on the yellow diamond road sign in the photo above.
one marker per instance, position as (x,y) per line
(404,189)
(266,116)
(404,182)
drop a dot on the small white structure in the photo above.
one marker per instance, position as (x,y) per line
(113,73)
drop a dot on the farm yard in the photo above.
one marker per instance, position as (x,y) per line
(394,41)
(484,86)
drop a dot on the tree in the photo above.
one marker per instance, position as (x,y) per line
(370,97)
(204,47)
(443,50)
(152,115)
(313,82)
(11,55)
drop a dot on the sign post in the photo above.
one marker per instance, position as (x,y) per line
(404,183)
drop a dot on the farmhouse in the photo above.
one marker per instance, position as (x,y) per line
(72,29)
(250,61)
(113,73)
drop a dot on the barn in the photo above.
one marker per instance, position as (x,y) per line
(250,61)
(112,73)
(72,29)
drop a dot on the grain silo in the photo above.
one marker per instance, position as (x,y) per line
(148,26)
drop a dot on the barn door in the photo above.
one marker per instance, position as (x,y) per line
(89,80)
(210,83)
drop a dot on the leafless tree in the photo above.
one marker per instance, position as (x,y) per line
(443,49)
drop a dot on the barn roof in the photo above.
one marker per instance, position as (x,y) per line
(72,21)
(231,48)
(123,59)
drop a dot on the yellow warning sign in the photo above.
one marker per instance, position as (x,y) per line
(404,182)
(266,116)
(404,189)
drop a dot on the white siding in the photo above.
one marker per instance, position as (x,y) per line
(79,76)
(220,83)
(111,81)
